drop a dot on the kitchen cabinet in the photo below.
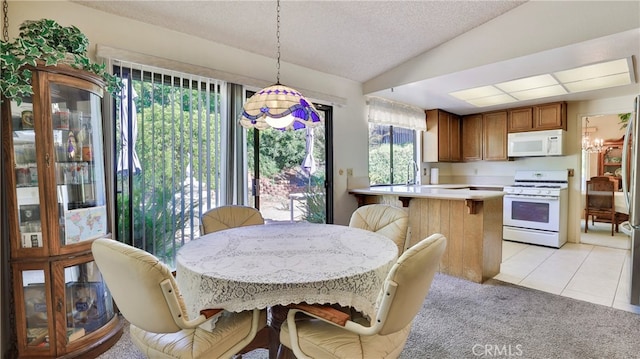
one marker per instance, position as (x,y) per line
(56,205)
(442,138)
(485,136)
(549,116)
(472,137)
(494,136)
(610,159)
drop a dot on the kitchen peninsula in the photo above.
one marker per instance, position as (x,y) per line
(469,216)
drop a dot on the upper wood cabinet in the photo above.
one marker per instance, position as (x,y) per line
(442,138)
(484,137)
(472,137)
(549,116)
(494,136)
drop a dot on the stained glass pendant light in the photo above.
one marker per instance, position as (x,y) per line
(279,106)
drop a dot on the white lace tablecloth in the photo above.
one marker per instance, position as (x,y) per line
(279,264)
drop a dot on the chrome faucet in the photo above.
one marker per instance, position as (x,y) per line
(413,165)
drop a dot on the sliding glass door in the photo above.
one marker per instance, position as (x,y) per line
(290,172)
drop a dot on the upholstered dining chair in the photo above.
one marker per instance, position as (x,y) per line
(231,216)
(147,295)
(331,333)
(390,221)
(600,203)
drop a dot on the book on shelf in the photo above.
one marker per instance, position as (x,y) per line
(75,334)
(37,336)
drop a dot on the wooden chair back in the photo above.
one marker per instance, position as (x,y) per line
(600,202)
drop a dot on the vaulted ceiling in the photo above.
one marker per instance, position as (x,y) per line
(386,44)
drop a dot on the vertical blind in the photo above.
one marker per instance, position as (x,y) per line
(167,129)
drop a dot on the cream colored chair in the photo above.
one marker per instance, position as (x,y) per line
(225,217)
(387,220)
(331,334)
(147,295)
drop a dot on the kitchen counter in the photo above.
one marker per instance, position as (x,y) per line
(470,216)
(443,191)
(471,194)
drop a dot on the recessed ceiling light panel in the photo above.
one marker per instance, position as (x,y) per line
(527,83)
(599,83)
(492,100)
(542,92)
(593,71)
(476,92)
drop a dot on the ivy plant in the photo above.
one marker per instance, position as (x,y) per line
(47,42)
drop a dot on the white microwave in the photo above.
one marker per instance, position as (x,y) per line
(536,143)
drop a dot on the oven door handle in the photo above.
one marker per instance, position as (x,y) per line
(521,196)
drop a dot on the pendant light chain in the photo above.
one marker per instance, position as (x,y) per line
(5,24)
(277,38)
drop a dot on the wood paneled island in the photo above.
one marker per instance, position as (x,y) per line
(470,217)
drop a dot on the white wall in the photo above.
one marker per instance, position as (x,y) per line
(350,127)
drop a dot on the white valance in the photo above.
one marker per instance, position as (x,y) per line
(387,112)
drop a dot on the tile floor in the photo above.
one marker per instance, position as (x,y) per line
(598,272)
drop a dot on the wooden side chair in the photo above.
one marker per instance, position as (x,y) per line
(600,203)
(231,216)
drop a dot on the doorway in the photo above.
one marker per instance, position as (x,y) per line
(604,160)
(290,172)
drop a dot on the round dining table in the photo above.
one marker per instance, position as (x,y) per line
(283,263)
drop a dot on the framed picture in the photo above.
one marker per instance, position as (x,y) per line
(27,119)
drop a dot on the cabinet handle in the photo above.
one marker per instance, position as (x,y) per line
(59,305)
(46,159)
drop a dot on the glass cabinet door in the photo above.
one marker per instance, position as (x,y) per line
(26,175)
(79,164)
(34,325)
(89,305)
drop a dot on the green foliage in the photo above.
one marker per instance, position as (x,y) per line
(379,163)
(624,119)
(279,150)
(47,42)
(173,144)
(314,208)
(155,219)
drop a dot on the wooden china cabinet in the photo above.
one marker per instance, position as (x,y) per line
(56,205)
(610,159)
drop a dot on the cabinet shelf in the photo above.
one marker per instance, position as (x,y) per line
(56,206)
(613,151)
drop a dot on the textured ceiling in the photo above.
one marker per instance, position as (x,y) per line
(322,35)
(394,48)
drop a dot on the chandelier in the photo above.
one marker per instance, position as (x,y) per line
(279,106)
(595,146)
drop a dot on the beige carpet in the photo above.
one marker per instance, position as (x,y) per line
(462,319)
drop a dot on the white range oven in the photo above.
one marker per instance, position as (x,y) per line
(535,208)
